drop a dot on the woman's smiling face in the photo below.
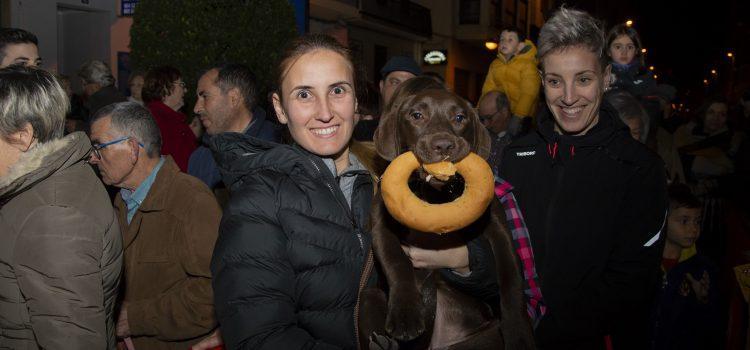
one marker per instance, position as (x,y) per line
(574,82)
(317,102)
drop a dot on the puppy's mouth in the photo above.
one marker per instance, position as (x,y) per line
(425,156)
(433,190)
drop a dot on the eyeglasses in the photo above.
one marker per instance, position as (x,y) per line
(96,149)
(488,117)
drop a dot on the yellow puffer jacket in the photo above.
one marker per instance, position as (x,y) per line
(518,78)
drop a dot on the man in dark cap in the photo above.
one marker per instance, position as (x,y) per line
(397,70)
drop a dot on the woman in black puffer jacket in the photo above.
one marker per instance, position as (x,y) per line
(292,245)
(291,254)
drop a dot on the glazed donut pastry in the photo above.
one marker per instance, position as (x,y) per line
(419,215)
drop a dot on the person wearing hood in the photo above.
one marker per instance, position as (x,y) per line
(61,249)
(594,199)
(514,72)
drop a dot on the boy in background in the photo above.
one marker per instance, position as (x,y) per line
(687,312)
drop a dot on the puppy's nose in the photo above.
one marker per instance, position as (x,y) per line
(443,146)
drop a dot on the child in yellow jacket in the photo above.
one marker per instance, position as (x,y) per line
(515,73)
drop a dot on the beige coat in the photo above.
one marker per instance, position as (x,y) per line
(168,246)
(60,251)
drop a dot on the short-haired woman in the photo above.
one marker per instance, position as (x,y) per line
(163,93)
(594,199)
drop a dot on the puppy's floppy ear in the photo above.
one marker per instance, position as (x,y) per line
(482,140)
(386,139)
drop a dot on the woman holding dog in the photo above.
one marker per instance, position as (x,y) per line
(593,198)
(288,264)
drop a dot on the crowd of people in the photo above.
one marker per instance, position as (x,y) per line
(126,224)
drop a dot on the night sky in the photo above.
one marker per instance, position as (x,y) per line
(684,41)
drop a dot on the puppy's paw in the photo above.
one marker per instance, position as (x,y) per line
(406,314)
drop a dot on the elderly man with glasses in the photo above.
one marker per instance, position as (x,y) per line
(170,222)
(494,113)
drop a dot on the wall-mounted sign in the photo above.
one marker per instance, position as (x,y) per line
(435,57)
(127,7)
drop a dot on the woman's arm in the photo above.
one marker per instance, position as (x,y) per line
(253,279)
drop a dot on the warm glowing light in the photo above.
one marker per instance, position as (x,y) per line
(651,68)
(656,76)
(643,50)
(705,81)
(729,54)
(713,71)
(629,23)
(490,45)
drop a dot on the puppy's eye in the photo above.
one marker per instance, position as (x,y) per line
(460,118)
(416,115)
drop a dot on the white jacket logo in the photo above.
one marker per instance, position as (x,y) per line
(525,154)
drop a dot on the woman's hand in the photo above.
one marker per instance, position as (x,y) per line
(456,259)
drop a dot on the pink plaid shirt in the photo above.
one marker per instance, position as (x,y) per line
(534,301)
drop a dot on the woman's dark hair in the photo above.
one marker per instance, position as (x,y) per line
(305,44)
(622,29)
(159,83)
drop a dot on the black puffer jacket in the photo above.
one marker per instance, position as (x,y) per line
(290,252)
(594,206)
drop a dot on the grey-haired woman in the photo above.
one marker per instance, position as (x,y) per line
(60,246)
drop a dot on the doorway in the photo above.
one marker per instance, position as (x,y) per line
(82,35)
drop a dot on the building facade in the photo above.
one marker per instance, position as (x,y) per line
(446,37)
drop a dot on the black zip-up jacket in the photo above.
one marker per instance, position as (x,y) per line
(290,252)
(595,206)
